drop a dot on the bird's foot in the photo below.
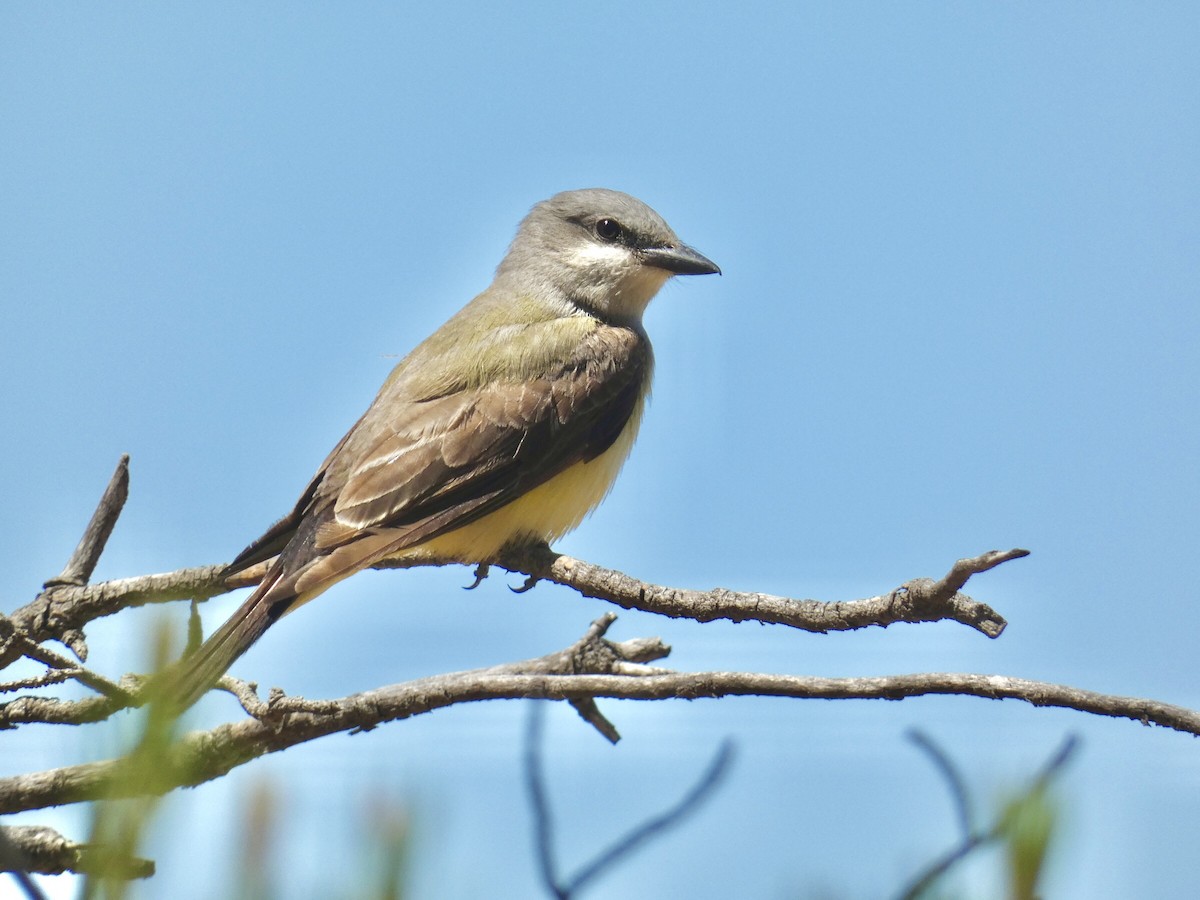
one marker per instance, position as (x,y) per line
(481,572)
(530,581)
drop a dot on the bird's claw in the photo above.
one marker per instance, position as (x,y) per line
(530,581)
(481,572)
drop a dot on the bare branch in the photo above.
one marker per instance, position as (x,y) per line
(83,561)
(47,678)
(96,682)
(543,817)
(920,600)
(13,859)
(669,818)
(63,608)
(59,610)
(29,710)
(543,821)
(203,756)
(44,851)
(956,579)
(590,713)
(953,778)
(67,604)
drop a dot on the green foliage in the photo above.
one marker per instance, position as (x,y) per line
(1027,827)
(131,797)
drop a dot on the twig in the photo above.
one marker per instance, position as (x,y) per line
(669,818)
(30,710)
(46,852)
(953,778)
(96,682)
(82,563)
(45,679)
(543,822)
(543,818)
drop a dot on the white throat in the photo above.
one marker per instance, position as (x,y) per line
(613,281)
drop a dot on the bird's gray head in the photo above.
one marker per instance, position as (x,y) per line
(598,249)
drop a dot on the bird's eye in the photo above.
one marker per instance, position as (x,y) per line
(608,229)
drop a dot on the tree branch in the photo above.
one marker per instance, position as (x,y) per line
(82,563)
(43,851)
(59,610)
(919,600)
(287,721)
(62,611)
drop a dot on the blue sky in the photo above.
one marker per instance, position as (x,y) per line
(959,312)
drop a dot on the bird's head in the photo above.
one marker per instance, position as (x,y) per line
(601,250)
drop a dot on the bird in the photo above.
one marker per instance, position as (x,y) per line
(504,428)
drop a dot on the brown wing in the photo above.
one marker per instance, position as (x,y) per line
(453,459)
(419,468)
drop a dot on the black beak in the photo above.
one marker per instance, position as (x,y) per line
(680,260)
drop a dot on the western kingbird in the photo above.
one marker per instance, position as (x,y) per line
(506,426)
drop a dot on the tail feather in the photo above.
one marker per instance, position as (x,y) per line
(186,682)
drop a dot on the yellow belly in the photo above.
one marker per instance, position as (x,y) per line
(545,513)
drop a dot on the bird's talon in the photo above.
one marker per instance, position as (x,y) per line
(481,572)
(530,581)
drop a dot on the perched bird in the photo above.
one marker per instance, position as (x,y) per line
(506,426)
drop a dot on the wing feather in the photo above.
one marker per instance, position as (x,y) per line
(498,439)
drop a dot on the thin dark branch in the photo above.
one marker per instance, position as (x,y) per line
(28,886)
(1057,762)
(656,825)
(79,567)
(944,864)
(543,821)
(954,780)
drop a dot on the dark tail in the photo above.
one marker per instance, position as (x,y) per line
(188,680)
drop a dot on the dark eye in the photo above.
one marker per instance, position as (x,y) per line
(608,229)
